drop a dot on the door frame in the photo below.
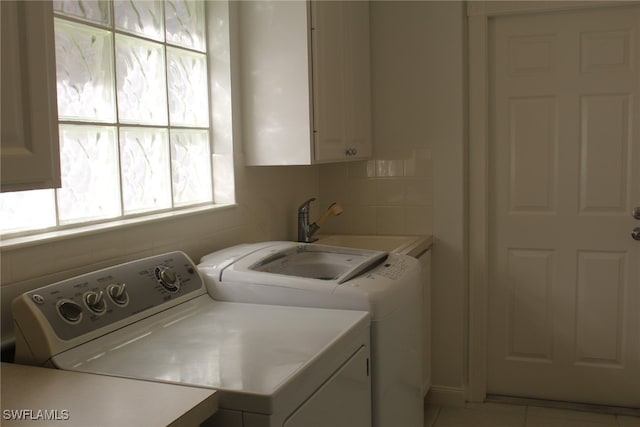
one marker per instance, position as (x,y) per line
(479,14)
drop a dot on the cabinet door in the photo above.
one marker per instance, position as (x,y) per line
(344,400)
(275,82)
(341,80)
(28,125)
(358,80)
(329,79)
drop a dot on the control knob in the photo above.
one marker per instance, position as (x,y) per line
(168,278)
(95,301)
(118,293)
(70,311)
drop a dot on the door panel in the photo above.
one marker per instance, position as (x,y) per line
(600,308)
(604,151)
(564,292)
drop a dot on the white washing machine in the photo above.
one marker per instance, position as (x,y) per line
(152,319)
(309,275)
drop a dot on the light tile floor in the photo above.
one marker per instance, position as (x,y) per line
(505,415)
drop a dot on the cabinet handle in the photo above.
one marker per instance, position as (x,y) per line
(351,151)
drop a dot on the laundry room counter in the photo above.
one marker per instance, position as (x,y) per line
(412,245)
(54,397)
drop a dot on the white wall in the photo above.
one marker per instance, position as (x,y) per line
(416,182)
(446,128)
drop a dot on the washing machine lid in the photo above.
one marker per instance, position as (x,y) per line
(297,264)
(261,358)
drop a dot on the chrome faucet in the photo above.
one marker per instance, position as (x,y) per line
(307,230)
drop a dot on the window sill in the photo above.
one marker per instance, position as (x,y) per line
(19,242)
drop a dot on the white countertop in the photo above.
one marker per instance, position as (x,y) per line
(412,245)
(77,399)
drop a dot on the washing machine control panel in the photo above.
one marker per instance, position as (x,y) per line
(394,268)
(86,303)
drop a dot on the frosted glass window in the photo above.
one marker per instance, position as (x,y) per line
(133,115)
(185,23)
(190,163)
(146,177)
(90,184)
(142,17)
(23,210)
(88,10)
(142,91)
(84,70)
(188,94)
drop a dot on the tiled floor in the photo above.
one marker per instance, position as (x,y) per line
(504,415)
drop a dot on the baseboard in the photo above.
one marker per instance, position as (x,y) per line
(556,404)
(446,396)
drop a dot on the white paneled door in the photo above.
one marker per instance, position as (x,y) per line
(564,293)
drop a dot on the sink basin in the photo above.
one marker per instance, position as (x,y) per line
(408,245)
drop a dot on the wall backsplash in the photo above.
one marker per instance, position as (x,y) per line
(386,195)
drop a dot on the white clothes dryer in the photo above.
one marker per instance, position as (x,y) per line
(310,275)
(152,319)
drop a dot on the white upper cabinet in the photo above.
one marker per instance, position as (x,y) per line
(341,80)
(28,125)
(306,81)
